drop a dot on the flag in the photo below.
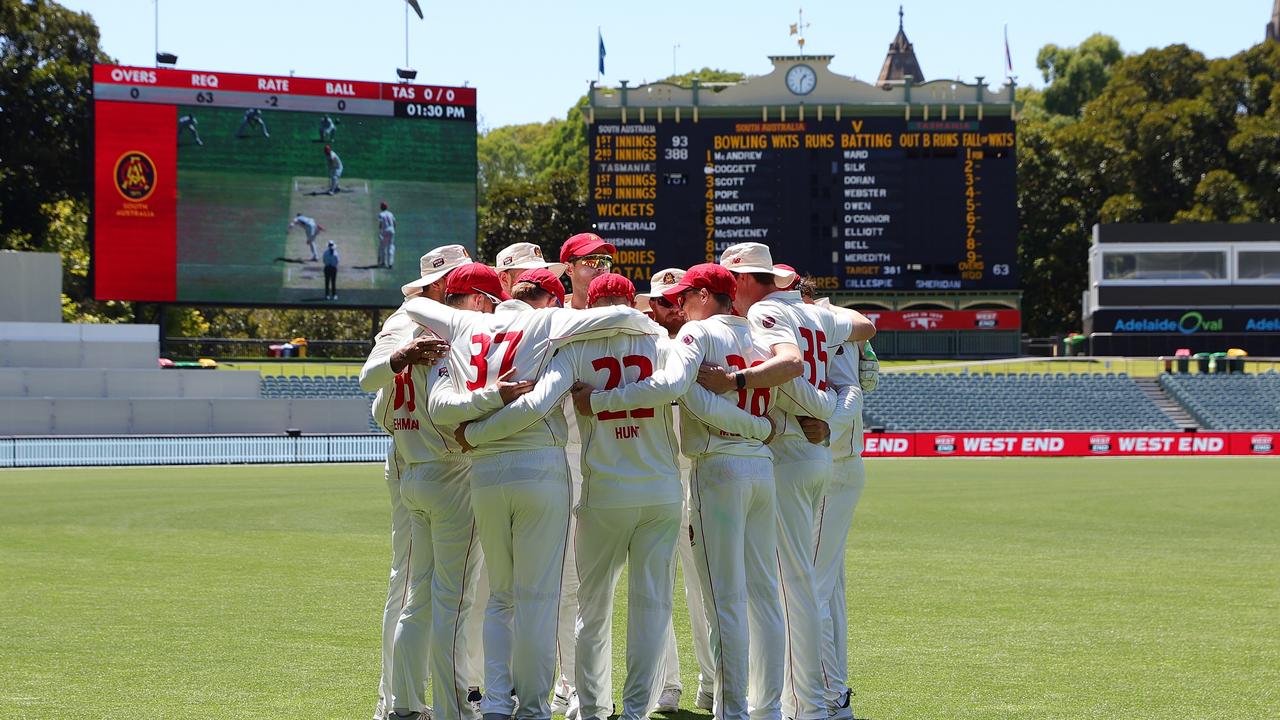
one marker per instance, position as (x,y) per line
(1008,58)
(600,37)
(416,8)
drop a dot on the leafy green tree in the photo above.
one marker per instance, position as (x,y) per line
(705,75)
(542,211)
(1219,197)
(1076,74)
(46,58)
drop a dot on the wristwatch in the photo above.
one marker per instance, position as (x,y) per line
(740,380)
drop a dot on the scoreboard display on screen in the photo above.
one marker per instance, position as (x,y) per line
(214,187)
(861,203)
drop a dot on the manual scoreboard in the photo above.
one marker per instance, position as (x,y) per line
(861,203)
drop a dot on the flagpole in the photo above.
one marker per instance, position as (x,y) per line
(599,42)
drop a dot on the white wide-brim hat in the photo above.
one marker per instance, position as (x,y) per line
(435,265)
(754,257)
(526,256)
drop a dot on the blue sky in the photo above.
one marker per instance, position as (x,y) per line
(530,61)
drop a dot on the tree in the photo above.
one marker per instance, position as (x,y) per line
(705,75)
(46,58)
(542,211)
(1076,74)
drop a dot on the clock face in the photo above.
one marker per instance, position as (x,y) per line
(801,79)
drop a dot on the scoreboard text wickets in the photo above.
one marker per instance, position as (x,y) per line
(862,204)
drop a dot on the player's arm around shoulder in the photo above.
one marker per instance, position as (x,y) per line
(435,316)
(530,406)
(859,326)
(567,325)
(377,372)
(677,365)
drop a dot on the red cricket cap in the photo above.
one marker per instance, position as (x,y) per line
(795,280)
(475,278)
(585,244)
(544,279)
(610,285)
(715,278)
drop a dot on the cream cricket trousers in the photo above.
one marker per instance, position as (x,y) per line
(803,471)
(411,649)
(642,539)
(734,519)
(398,582)
(697,615)
(835,519)
(521,506)
(566,643)
(439,493)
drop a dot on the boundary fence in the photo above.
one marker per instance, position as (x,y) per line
(32,451)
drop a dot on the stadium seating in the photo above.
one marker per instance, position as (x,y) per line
(328,386)
(63,379)
(1229,402)
(928,402)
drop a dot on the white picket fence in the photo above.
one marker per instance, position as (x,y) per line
(17,452)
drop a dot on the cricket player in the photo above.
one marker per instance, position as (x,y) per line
(520,484)
(252,118)
(328,129)
(781,322)
(672,319)
(731,505)
(851,375)
(386,237)
(390,357)
(629,513)
(587,257)
(189,123)
(311,228)
(335,169)
(514,259)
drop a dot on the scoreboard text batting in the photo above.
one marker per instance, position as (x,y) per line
(870,203)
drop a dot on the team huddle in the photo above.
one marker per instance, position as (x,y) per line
(506,555)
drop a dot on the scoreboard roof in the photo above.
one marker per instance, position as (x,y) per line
(821,87)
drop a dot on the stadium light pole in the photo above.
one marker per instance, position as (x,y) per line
(406,73)
(162,58)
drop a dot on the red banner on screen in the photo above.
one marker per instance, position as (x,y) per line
(282,85)
(135,189)
(1069,444)
(945,319)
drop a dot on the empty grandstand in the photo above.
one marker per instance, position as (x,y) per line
(928,402)
(1229,402)
(326,386)
(62,379)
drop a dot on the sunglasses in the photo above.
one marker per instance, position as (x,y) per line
(682,297)
(493,299)
(595,262)
(661,302)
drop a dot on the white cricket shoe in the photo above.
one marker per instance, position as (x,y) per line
(560,700)
(844,711)
(668,701)
(705,700)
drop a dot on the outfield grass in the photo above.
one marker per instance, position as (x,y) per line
(978,589)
